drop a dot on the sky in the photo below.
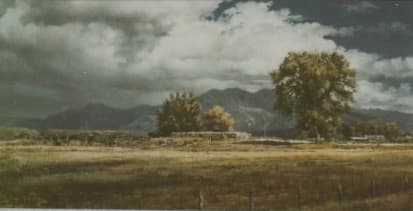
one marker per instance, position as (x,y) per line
(56,55)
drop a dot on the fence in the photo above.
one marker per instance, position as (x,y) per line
(239,136)
(339,195)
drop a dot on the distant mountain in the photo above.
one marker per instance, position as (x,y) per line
(404,120)
(98,116)
(252,111)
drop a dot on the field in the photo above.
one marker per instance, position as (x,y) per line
(189,174)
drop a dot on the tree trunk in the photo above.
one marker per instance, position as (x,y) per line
(317,140)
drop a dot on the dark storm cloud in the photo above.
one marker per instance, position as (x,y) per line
(76,52)
(4,5)
(138,30)
(60,54)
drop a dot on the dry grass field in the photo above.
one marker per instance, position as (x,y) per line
(187,174)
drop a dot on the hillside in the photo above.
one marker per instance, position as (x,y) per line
(252,112)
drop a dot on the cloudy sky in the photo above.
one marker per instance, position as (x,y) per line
(56,55)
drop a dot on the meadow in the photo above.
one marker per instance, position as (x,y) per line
(195,173)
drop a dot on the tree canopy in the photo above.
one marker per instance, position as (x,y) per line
(179,113)
(216,119)
(316,89)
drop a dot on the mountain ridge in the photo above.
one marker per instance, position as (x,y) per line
(253,112)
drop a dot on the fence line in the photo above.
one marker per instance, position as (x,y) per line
(299,194)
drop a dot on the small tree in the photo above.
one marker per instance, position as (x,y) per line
(315,87)
(179,113)
(391,130)
(216,119)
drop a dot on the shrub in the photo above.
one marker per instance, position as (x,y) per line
(216,119)
(12,133)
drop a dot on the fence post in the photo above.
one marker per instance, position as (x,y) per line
(200,200)
(200,182)
(298,197)
(405,183)
(252,201)
(339,194)
(373,188)
(140,202)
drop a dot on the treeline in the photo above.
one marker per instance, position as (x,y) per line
(181,112)
(12,133)
(390,130)
(58,137)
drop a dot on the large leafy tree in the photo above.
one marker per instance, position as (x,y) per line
(315,88)
(216,119)
(179,113)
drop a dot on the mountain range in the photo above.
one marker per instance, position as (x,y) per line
(253,112)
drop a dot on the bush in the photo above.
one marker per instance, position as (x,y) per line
(106,137)
(9,165)
(12,133)
(390,130)
(216,119)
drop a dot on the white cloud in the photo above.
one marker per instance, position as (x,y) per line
(360,7)
(249,42)
(376,95)
(130,52)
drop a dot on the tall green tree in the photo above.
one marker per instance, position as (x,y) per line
(181,112)
(316,88)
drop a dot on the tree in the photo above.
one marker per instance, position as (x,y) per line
(179,113)
(391,130)
(349,131)
(216,119)
(316,88)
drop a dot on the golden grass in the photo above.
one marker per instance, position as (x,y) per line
(170,176)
